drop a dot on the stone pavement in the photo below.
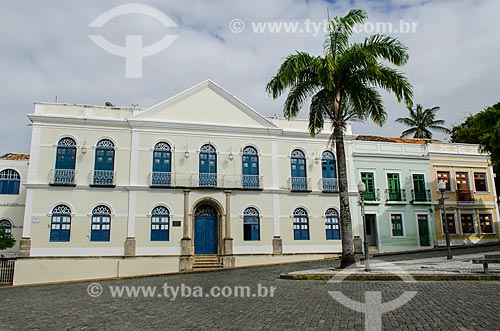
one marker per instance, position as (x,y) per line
(433,268)
(296,305)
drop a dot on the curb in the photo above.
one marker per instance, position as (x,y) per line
(390,277)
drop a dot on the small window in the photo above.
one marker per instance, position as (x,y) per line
(397,225)
(486,223)
(300,224)
(450,219)
(251,224)
(467,221)
(480,182)
(10,180)
(160,224)
(444,176)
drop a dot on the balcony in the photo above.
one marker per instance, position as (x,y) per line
(299,184)
(102,178)
(421,196)
(398,195)
(160,179)
(204,180)
(372,196)
(62,177)
(329,185)
(465,196)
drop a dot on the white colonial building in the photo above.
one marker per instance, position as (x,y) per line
(198,180)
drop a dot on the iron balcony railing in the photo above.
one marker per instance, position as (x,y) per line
(205,180)
(421,196)
(465,196)
(62,177)
(329,184)
(299,184)
(372,195)
(395,195)
(160,179)
(102,177)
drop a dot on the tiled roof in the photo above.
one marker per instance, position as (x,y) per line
(15,156)
(396,140)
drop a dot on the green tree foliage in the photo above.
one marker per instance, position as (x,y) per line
(6,240)
(421,122)
(482,128)
(343,85)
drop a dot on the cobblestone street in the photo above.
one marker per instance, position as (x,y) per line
(296,305)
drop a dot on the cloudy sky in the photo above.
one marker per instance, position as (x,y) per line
(46,52)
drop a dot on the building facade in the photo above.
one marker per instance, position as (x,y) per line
(398,201)
(13,171)
(471,204)
(199,180)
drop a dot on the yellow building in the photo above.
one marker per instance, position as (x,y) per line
(470,197)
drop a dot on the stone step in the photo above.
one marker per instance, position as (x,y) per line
(207,261)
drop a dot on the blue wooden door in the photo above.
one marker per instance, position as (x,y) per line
(298,170)
(65,165)
(104,159)
(161,167)
(66,157)
(208,169)
(250,171)
(205,235)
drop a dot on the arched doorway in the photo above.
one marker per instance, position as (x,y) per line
(206,229)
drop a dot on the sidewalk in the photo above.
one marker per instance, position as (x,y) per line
(432,268)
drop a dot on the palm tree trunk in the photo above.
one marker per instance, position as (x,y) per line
(345,212)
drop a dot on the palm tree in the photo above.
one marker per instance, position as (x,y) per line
(421,122)
(343,86)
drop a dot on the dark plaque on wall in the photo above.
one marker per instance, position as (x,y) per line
(176,223)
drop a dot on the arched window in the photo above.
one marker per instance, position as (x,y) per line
(298,167)
(250,168)
(251,224)
(208,166)
(101,224)
(60,225)
(300,224)
(160,224)
(161,176)
(6,226)
(104,163)
(332,224)
(10,180)
(329,172)
(64,173)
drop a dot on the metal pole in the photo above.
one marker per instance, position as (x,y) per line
(449,256)
(365,244)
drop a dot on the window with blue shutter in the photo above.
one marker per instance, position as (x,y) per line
(10,181)
(300,224)
(60,225)
(332,224)
(160,224)
(101,224)
(251,224)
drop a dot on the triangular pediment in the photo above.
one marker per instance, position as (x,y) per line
(206,103)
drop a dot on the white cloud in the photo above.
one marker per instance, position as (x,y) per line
(46,52)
